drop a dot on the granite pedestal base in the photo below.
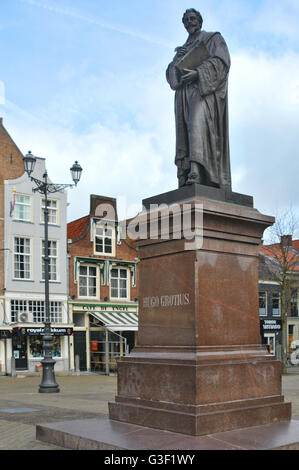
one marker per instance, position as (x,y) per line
(199,366)
(105,434)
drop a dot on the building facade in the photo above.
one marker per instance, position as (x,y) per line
(23,299)
(103,279)
(270,301)
(11,166)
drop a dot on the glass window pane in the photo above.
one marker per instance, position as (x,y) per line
(114,293)
(99,245)
(82,291)
(93,271)
(83,270)
(123,293)
(262,303)
(83,281)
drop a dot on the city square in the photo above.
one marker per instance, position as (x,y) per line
(150,301)
(82,397)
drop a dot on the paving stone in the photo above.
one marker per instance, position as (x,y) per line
(81,397)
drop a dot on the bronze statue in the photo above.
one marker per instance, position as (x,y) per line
(199,75)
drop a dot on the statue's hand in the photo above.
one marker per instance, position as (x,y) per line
(181,51)
(189,76)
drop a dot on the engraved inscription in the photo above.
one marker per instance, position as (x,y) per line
(176,300)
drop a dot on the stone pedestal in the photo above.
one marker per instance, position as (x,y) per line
(199,366)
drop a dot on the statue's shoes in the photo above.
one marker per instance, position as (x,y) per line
(182,181)
(193,178)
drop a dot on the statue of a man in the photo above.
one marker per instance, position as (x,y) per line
(201,108)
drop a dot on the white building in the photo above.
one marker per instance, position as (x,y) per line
(23,308)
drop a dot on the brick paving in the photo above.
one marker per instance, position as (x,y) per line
(81,397)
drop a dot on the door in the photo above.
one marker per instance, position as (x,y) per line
(270,339)
(19,352)
(80,348)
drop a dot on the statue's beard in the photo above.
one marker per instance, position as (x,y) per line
(193,30)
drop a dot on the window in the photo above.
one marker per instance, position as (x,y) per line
(22,254)
(36,346)
(263,303)
(78,319)
(52,209)
(119,283)
(104,240)
(22,210)
(39,315)
(53,260)
(276,303)
(17,307)
(87,281)
(37,308)
(56,312)
(294,303)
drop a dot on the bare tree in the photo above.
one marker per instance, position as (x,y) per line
(283,266)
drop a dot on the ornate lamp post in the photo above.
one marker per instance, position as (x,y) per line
(48,384)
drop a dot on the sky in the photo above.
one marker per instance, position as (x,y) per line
(85,80)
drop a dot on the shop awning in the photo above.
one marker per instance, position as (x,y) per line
(117,321)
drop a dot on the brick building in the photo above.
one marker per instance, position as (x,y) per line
(103,290)
(270,295)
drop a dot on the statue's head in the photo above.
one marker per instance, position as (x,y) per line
(192,20)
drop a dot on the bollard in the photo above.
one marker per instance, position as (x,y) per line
(77,364)
(13,367)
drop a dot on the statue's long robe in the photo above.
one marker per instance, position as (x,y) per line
(201,112)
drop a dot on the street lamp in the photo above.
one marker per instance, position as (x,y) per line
(48,384)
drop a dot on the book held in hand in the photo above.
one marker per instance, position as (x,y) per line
(193,59)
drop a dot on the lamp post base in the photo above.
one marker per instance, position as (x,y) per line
(48,384)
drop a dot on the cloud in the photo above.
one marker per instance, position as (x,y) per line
(120,127)
(279,18)
(264,126)
(118,161)
(133,158)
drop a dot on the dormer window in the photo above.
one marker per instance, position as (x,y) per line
(104,240)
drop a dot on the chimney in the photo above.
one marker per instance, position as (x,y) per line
(286,241)
(110,203)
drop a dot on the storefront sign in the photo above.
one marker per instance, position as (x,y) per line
(108,308)
(39,331)
(271,325)
(4,334)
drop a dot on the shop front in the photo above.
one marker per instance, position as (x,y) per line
(26,346)
(271,334)
(5,334)
(102,336)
